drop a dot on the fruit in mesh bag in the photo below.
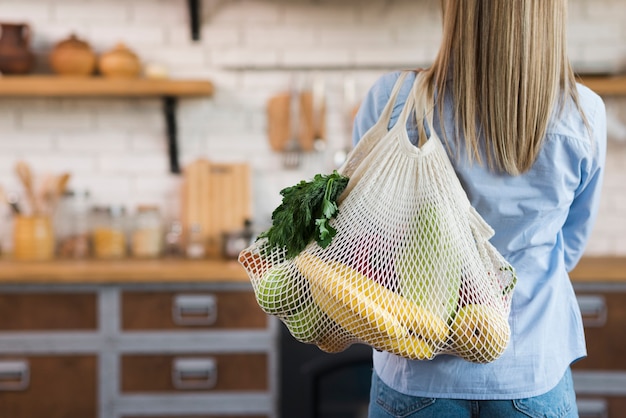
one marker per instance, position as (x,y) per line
(429,266)
(281,290)
(480,333)
(308,323)
(360,306)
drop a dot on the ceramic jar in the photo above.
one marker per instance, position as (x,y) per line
(119,62)
(33,238)
(15,54)
(73,57)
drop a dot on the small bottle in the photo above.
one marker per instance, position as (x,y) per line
(196,246)
(174,239)
(147,236)
(72,225)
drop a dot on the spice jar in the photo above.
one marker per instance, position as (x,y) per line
(108,234)
(72,225)
(147,235)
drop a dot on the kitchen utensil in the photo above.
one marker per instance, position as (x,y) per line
(73,57)
(293,150)
(278,121)
(25,175)
(15,54)
(216,199)
(119,62)
(319,115)
(10,199)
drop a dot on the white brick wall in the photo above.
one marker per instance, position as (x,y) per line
(249,49)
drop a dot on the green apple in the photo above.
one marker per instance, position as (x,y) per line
(308,323)
(480,333)
(281,290)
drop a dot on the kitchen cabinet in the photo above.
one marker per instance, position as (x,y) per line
(190,344)
(600,378)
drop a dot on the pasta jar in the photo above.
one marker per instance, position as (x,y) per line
(108,234)
(148,234)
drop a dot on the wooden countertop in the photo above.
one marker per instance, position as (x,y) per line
(124,271)
(590,269)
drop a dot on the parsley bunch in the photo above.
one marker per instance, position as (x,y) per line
(304,214)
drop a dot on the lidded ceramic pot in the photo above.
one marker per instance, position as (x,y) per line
(73,57)
(119,62)
(15,54)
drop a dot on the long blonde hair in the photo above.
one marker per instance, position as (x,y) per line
(505,62)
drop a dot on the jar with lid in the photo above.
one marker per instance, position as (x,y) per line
(71,222)
(148,233)
(108,232)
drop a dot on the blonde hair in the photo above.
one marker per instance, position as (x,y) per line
(505,62)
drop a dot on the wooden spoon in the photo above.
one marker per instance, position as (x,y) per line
(26,177)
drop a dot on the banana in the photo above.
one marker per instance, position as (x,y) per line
(347,304)
(412,347)
(417,319)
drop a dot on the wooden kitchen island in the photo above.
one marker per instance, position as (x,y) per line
(162,338)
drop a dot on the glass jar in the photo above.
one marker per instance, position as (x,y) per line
(108,233)
(148,234)
(72,225)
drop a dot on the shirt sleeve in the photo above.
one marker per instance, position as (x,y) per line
(584,208)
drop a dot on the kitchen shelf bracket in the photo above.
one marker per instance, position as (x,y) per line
(194,18)
(169,110)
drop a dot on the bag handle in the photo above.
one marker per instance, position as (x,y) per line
(385,116)
(416,102)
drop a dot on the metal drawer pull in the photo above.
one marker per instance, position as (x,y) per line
(592,408)
(14,375)
(194,309)
(194,373)
(593,309)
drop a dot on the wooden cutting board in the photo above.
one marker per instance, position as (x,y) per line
(312,121)
(218,198)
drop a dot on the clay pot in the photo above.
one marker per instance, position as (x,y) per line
(73,57)
(119,62)
(15,54)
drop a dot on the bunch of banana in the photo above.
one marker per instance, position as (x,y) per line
(371,312)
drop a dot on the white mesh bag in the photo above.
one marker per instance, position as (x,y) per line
(410,269)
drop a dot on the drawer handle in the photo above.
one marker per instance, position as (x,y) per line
(14,375)
(194,373)
(194,310)
(593,309)
(592,408)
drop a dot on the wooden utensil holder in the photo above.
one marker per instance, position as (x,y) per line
(33,238)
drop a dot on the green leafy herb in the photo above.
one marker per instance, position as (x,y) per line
(305,212)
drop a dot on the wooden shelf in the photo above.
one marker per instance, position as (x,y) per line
(605,85)
(57,86)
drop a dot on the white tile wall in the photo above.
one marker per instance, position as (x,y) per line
(250,49)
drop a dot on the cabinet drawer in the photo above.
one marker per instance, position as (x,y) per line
(604,317)
(184,310)
(601,407)
(194,373)
(48,386)
(48,311)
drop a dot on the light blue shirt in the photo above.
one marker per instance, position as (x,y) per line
(542,221)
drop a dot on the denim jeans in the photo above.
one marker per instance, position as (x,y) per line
(559,402)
